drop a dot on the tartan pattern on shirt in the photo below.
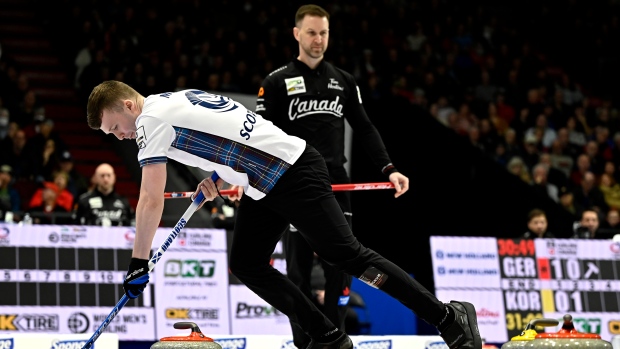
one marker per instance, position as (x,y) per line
(153,160)
(263,170)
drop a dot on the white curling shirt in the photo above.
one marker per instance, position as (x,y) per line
(215,133)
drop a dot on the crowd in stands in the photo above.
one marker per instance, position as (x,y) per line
(476,72)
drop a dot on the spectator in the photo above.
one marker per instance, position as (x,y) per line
(611,224)
(582,166)
(541,184)
(103,205)
(560,161)
(597,162)
(555,176)
(589,196)
(77,183)
(587,226)
(531,150)
(49,211)
(567,202)
(9,197)
(611,190)
(517,167)
(537,225)
(16,156)
(64,198)
(576,134)
(541,126)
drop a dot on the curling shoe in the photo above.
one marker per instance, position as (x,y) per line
(463,333)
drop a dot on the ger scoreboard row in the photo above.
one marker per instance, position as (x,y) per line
(512,281)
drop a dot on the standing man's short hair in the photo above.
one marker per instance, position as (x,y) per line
(310,10)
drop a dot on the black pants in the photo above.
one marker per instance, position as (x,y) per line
(299,266)
(303,197)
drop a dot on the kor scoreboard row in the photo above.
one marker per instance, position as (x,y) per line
(512,281)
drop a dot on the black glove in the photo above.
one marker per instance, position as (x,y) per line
(137,277)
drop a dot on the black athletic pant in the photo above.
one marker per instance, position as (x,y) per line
(299,264)
(303,197)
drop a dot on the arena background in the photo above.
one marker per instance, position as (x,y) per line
(455,189)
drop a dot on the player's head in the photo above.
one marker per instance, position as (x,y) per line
(113,107)
(312,30)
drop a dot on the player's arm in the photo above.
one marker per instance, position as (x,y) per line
(373,143)
(149,209)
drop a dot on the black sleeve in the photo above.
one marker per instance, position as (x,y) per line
(266,102)
(363,127)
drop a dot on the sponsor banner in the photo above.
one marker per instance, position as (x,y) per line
(51,341)
(489,311)
(131,323)
(577,248)
(192,286)
(192,238)
(465,262)
(41,235)
(252,315)
(359,342)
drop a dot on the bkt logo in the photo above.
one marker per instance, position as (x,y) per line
(586,325)
(384,344)
(436,345)
(193,314)
(189,268)
(75,344)
(231,343)
(6,343)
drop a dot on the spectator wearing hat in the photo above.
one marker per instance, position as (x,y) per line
(64,198)
(77,183)
(9,197)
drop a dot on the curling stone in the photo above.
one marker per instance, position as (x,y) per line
(529,333)
(195,340)
(568,338)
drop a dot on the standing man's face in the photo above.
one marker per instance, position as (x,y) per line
(312,33)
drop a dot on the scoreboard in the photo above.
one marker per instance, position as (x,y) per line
(512,281)
(66,280)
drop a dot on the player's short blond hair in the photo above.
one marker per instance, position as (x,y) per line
(108,95)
